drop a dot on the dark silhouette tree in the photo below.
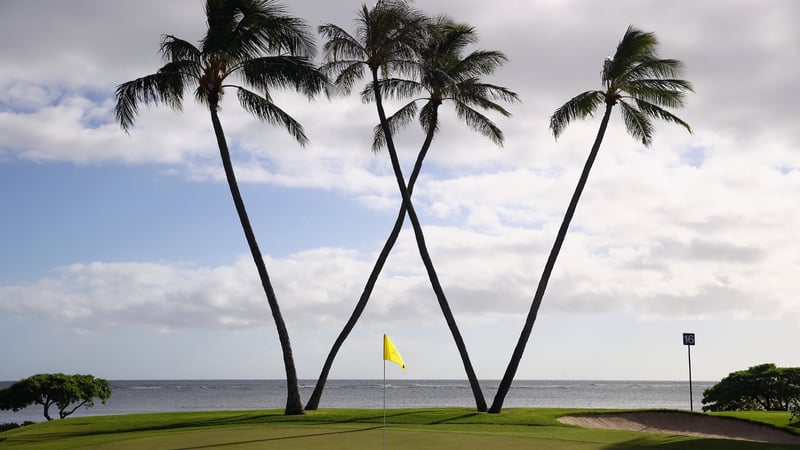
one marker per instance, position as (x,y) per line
(65,392)
(444,75)
(643,85)
(258,43)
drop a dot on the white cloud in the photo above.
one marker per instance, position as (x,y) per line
(650,274)
(699,226)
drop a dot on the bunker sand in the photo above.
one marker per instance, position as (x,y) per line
(683,423)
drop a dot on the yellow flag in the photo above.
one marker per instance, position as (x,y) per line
(390,353)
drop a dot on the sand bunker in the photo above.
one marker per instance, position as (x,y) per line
(683,423)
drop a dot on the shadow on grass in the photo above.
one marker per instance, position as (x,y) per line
(78,430)
(454,418)
(282,438)
(682,443)
(422,418)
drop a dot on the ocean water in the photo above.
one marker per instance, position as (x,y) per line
(143,396)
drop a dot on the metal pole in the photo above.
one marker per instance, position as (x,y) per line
(691,403)
(384,403)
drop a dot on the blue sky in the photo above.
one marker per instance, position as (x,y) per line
(121,255)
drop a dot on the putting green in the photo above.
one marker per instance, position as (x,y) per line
(314,437)
(440,429)
(323,437)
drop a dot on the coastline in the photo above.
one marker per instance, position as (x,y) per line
(152,396)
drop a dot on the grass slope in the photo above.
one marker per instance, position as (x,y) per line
(331,429)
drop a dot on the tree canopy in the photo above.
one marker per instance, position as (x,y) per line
(763,387)
(66,392)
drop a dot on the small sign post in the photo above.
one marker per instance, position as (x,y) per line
(688,341)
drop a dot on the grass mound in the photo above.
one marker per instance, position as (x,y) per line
(435,428)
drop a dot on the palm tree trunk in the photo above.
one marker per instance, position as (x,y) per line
(513,365)
(423,251)
(313,401)
(294,405)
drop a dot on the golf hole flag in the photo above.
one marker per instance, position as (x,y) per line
(390,353)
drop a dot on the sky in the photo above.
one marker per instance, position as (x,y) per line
(121,254)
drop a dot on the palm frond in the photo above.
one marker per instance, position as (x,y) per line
(456,36)
(405,67)
(478,63)
(392,88)
(637,123)
(659,92)
(672,91)
(283,72)
(345,74)
(651,110)
(264,110)
(654,68)
(635,46)
(396,122)
(579,107)
(383,40)
(162,87)
(340,45)
(173,49)
(449,76)
(344,57)
(244,29)
(429,117)
(271,26)
(390,32)
(188,70)
(445,38)
(485,95)
(480,123)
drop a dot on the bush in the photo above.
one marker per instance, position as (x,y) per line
(763,387)
(12,425)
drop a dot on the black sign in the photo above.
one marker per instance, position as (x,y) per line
(688,338)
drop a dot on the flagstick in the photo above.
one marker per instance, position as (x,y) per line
(384,404)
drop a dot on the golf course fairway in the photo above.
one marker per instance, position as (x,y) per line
(429,428)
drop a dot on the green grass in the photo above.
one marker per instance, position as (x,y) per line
(429,428)
(779,419)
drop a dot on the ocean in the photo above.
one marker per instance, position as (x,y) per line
(148,396)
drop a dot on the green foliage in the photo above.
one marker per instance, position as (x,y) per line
(65,392)
(763,387)
(642,83)
(445,74)
(252,42)
(13,425)
(384,41)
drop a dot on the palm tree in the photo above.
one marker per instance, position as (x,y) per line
(643,85)
(239,33)
(446,75)
(387,37)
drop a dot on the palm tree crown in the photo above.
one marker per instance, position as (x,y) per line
(639,81)
(445,74)
(239,33)
(385,40)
